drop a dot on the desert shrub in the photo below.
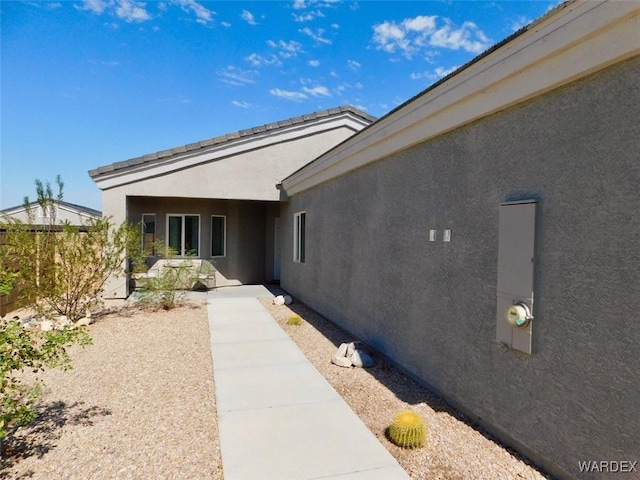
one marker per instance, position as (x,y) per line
(59,268)
(22,349)
(173,279)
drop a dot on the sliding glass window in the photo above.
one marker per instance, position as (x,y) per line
(184,234)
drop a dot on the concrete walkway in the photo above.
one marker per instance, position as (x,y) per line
(278,417)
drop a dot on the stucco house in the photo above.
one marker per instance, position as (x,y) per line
(483,236)
(218,199)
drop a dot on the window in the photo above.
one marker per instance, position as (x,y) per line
(184,234)
(218,236)
(148,233)
(299,220)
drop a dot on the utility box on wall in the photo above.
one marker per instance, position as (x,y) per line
(516,243)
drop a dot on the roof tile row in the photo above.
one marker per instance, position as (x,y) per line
(151,157)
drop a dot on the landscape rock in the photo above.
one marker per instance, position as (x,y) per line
(341,361)
(84,321)
(351,347)
(283,300)
(342,350)
(46,325)
(361,359)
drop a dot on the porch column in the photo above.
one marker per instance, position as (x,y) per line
(114,205)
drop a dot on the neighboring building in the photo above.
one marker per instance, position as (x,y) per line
(217,199)
(64,212)
(516,177)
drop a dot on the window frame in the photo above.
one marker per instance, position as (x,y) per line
(299,237)
(183,232)
(143,231)
(224,236)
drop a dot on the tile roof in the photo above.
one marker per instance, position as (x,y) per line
(229,137)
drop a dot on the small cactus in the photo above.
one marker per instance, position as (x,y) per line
(408,430)
(294,320)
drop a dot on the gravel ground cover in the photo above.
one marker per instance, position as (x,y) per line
(138,404)
(455,450)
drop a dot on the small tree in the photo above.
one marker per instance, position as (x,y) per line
(59,268)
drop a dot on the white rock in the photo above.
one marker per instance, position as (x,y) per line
(46,325)
(341,361)
(361,359)
(351,347)
(342,350)
(84,321)
(279,300)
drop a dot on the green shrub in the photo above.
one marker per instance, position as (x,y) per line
(35,350)
(408,430)
(173,279)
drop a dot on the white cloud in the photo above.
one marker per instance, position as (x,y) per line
(468,37)
(353,65)
(298,4)
(237,77)
(128,10)
(263,61)
(432,76)
(240,104)
(95,6)
(286,49)
(132,11)
(225,24)
(317,35)
(317,91)
(248,17)
(288,95)
(314,63)
(202,13)
(307,16)
(411,36)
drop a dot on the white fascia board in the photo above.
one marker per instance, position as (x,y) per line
(227,149)
(574,42)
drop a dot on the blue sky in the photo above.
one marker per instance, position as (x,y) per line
(93,82)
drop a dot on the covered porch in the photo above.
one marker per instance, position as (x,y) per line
(238,237)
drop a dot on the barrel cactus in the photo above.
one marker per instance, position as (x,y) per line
(408,430)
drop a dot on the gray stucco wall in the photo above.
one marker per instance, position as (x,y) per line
(246,232)
(431,306)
